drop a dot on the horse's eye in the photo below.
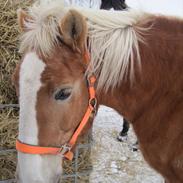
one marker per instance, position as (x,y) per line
(63,94)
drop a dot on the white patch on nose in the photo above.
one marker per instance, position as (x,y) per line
(33,168)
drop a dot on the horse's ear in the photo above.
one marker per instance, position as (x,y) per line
(73,30)
(23,17)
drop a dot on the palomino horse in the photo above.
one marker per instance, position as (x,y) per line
(137,61)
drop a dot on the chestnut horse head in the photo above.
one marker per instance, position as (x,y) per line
(131,54)
(51,85)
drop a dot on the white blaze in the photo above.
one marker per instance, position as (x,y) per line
(33,168)
(30,83)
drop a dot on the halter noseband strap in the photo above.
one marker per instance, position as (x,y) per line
(65,149)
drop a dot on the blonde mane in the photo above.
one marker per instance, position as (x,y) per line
(42,28)
(113,39)
(113,43)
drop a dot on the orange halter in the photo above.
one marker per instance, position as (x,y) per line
(65,149)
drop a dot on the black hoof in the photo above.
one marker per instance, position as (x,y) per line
(121,138)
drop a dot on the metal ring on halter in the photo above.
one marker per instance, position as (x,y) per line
(64,148)
(93,103)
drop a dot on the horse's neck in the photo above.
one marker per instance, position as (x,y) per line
(131,98)
(127,102)
(159,77)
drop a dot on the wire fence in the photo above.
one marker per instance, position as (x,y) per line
(77,176)
(3,106)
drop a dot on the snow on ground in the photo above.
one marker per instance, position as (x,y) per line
(113,161)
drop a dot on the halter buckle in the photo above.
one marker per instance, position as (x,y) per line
(93,103)
(93,106)
(64,149)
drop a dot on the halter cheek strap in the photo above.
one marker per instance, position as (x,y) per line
(65,149)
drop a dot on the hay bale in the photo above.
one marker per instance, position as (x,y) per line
(7,165)
(8,134)
(9,55)
(8,128)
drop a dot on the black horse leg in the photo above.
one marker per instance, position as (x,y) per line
(124,132)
